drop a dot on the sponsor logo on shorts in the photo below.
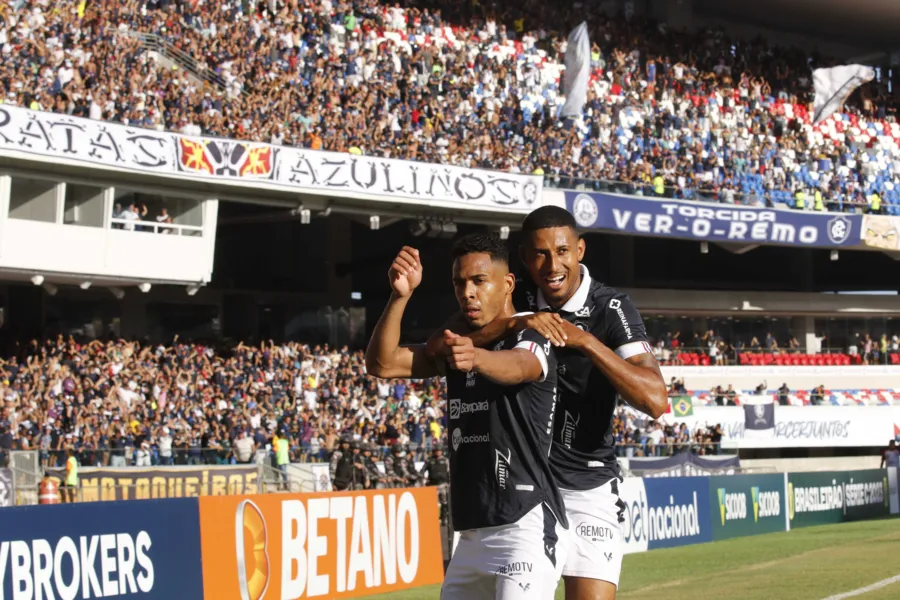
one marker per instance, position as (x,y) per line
(458,438)
(595,533)
(608,555)
(515,568)
(458,408)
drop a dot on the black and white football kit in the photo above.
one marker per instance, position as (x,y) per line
(504,502)
(582,458)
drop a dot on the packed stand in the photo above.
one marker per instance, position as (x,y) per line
(668,113)
(123,403)
(637,434)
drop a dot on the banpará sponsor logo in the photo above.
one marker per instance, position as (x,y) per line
(594,533)
(459,408)
(34,568)
(665,522)
(732,506)
(863,493)
(765,504)
(459,439)
(815,499)
(515,568)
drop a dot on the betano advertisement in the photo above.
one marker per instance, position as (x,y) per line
(747,505)
(331,545)
(148,549)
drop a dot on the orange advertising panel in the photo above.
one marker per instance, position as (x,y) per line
(330,545)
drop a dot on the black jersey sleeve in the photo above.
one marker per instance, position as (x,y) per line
(531,340)
(623,328)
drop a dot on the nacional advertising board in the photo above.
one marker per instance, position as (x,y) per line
(141,550)
(713,222)
(820,498)
(747,505)
(335,545)
(665,512)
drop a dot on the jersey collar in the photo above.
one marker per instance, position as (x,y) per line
(578,300)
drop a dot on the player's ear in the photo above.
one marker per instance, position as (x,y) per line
(581,247)
(510,280)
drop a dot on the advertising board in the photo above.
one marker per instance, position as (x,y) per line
(866,494)
(665,512)
(142,550)
(333,545)
(747,504)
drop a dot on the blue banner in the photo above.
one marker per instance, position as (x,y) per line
(683,464)
(142,549)
(713,222)
(678,511)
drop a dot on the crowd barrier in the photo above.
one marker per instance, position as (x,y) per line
(257,547)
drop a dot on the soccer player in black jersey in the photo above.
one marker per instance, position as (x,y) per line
(501,405)
(603,350)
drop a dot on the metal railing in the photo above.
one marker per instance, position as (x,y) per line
(154,227)
(155,43)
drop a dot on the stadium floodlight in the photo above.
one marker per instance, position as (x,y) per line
(118,292)
(51,288)
(85,285)
(374,222)
(192,290)
(37,279)
(835,255)
(704,248)
(144,287)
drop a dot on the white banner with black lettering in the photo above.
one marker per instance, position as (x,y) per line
(800,426)
(112,145)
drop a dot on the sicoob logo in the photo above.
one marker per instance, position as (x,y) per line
(252,552)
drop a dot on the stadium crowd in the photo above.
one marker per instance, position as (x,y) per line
(688,115)
(121,403)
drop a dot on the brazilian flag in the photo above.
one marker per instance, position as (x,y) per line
(682,406)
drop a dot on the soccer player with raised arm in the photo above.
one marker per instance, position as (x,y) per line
(501,404)
(602,351)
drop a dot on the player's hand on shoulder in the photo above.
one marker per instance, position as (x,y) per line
(550,325)
(405,273)
(461,352)
(576,338)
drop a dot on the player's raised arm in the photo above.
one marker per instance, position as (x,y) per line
(627,362)
(385,357)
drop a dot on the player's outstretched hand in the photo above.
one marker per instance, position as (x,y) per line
(550,325)
(405,273)
(462,352)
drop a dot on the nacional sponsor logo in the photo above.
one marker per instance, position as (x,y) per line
(665,522)
(515,568)
(864,493)
(459,408)
(765,504)
(594,533)
(732,506)
(616,305)
(97,566)
(459,439)
(815,499)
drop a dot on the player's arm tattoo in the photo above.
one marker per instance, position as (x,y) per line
(637,379)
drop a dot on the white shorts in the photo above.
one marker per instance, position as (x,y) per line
(595,537)
(512,562)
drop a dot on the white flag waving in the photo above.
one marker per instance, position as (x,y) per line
(834,85)
(578,71)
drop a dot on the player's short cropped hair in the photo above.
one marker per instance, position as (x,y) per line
(481,243)
(547,217)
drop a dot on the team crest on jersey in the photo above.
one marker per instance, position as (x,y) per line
(470,379)
(498,346)
(581,325)
(584,311)
(530,298)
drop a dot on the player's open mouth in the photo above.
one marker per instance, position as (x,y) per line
(555,282)
(472,312)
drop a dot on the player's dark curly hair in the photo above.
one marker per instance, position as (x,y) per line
(486,243)
(547,217)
